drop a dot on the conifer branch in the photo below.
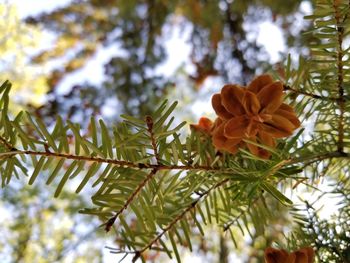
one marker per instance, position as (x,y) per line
(311,95)
(230,223)
(113,161)
(318,157)
(111,221)
(149,122)
(341,101)
(304,159)
(177,218)
(4,142)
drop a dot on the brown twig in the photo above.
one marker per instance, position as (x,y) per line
(177,218)
(341,102)
(115,162)
(4,142)
(310,159)
(111,221)
(318,157)
(311,95)
(149,122)
(229,224)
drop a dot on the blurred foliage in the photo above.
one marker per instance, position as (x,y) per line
(36,228)
(223,42)
(17,44)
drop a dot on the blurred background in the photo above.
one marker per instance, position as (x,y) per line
(78,58)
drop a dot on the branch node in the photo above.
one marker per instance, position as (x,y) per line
(8,145)
(149,122)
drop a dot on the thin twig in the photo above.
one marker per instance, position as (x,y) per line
(179,217)
(318,157)
(113,161)
(303,159)
(149,122)
(229,224)
(111,221)
(311,95)
(4,142)
(341,102)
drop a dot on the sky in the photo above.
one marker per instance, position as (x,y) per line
(34,7)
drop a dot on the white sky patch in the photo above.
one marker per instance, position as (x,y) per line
(306,7)
(191,258)
(270,36)
(202,108)
(202,105)
(93,71)
(177,48)
(35,7)
(327,205)
(109,108)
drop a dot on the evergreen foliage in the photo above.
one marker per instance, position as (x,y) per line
(155,187)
